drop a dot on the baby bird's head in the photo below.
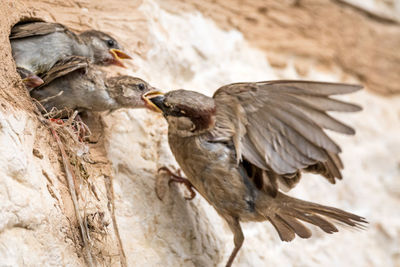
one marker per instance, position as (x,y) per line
(106,50)
(129,91)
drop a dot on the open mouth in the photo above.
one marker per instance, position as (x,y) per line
(118,55)
(147,99)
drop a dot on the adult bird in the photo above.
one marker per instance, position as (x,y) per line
(37,46)
(240,147)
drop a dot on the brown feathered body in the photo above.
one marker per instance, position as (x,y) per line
(37,46)
(75,84)
(239,147)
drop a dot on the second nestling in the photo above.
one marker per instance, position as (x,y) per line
(75,84)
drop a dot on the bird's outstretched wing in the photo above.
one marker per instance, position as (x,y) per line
(35,29)
(278,126)
(65,66)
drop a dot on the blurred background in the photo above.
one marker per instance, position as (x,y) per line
(202,45)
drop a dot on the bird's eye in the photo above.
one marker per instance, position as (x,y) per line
(141,86)
(110,43)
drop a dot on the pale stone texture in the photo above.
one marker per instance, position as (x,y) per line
(188,50)
(31,223)
(332,33)
(386,9)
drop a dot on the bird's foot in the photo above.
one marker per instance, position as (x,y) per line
(177,178)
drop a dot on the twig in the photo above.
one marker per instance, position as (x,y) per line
(71,179)
(51,97)
(111,208)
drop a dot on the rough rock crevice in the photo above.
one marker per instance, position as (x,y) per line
(199,47)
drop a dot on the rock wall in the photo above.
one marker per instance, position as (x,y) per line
(330,33)
(182,44)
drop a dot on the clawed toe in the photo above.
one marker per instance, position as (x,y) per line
(179,179)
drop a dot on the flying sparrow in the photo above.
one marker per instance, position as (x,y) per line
(239,148)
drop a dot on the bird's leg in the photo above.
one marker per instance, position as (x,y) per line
(174,178)
(238,237)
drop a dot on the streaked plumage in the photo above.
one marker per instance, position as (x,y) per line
(37,46)
(239,148)
(75,84)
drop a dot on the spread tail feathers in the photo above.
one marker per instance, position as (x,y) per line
(286,213)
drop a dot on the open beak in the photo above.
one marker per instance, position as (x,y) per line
(147,97)
(118,55)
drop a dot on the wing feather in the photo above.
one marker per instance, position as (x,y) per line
(281,124)
(35,29)
(63,67)
(303,125)
(315,114)
(328,104)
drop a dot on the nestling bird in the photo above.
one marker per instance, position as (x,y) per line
(75,84)
(241,147)
(37,46)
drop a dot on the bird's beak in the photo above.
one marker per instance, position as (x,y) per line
(32,81)
(153,99)
(118,55)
